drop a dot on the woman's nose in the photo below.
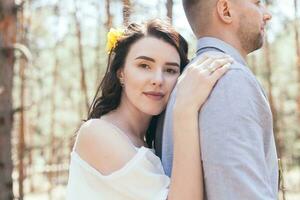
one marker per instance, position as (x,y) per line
(157,78)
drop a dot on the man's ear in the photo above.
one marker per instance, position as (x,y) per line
(224,10)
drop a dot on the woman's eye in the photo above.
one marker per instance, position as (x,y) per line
(145,66)
(172,71)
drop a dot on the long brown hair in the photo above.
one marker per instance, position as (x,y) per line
(110,86)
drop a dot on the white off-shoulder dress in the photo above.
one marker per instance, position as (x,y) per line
(142,178)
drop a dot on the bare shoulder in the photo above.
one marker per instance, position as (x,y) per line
(102,146)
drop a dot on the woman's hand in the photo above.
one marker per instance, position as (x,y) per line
(197,81)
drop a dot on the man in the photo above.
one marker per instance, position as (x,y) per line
(235,124)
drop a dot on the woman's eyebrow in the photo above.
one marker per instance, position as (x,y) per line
(152,60)
(173,64)
(145,58)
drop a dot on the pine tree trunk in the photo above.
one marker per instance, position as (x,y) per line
(108,23)
(21,137)
(81,61)
(278,138)
(281,142)
(97,63)
(8,20)
(270,92)
(126,12)
(169,6)
(296,26)
(53,142)
(297,42)
(22,118)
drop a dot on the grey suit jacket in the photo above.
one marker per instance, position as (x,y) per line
(236,134)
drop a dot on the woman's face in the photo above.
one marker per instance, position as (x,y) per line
(149,75)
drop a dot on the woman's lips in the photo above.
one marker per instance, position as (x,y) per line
(154,95)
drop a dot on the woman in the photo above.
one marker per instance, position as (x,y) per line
(112,157)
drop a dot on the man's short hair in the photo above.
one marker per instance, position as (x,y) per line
(198,13)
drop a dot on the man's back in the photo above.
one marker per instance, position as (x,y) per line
(237,142)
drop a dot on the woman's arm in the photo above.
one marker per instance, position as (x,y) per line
(193,88)
(186,179)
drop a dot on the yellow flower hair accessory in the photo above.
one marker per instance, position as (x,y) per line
(112,38)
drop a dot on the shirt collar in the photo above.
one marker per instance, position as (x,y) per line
(205,43)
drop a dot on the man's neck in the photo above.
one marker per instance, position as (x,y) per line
(228,38)
(211,43)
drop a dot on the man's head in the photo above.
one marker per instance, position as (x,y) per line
(241,23)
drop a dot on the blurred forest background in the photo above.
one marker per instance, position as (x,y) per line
(52,57)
